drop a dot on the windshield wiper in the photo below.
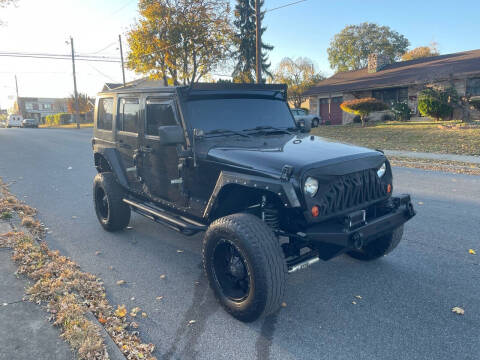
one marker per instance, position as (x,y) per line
(269,129)
(226,132)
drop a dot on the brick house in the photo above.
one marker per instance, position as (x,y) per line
(397,82)
(39,108)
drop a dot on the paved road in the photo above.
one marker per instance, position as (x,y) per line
(404,312)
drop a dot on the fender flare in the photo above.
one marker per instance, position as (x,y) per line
(114,160)
(283,189)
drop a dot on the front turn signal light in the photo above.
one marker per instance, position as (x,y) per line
(315,211)
(389,188)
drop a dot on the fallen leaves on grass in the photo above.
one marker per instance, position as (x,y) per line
(163,276)
(121,282)
(458,310)
(159,297)
(471,251)
(191,322)
(358,296)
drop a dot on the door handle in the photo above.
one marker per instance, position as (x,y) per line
(146,149)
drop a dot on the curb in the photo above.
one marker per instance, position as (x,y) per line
(113,350)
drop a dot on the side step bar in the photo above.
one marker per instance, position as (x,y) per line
(179,223)
(302,262)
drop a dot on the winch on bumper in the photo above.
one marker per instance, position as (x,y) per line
(358,228)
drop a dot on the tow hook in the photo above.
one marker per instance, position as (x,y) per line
(357,241)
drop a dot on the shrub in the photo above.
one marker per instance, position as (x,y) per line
(51,120)
(401,111)
(62,118)
(437,103)
(363,107)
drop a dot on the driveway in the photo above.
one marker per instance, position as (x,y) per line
(406,298)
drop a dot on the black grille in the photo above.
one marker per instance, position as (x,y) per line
(349,191)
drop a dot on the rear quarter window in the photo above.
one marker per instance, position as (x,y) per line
(105,113)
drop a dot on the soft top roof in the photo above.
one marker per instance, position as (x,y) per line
(204,89)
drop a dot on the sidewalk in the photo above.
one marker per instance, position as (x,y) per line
(434,156)
(25,332)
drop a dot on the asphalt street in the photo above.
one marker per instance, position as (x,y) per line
(406,297)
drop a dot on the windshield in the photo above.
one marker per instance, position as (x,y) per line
(238,114)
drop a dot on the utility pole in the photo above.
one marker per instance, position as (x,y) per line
(259,41)
(75,85)
(121,57)
(18,103)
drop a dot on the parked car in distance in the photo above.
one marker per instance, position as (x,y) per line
(14,121)
(302,114)
(228,160)
(30,123)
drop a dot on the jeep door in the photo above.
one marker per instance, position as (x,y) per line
(160,162)
(127,130)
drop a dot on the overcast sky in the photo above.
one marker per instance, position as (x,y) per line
(304,29)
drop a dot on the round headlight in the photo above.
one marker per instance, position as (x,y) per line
(311,186)
(381,170)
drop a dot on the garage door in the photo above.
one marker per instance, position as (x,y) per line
(336,113)
(324,109)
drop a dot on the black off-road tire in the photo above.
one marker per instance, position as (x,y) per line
(264,262)
(112,213)
(379,247)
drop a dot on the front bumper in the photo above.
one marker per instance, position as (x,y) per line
(333,238)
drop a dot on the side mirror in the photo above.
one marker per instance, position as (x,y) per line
(171,135)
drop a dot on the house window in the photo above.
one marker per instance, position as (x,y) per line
(105,114)
(128,115)
(473,87)
(391,96)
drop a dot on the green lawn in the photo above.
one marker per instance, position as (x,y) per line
(414,136)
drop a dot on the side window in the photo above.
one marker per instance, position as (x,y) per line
(105,113)
(128,110)
(158,114)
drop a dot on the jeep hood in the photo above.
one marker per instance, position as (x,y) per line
(303,152)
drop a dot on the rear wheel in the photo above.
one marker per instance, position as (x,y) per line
(245,266)
(379,247)
(112,212)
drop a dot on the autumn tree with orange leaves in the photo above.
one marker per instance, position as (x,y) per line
(85,104)
(180,41)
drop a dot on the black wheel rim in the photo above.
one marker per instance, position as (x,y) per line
(101,200)
(230,270)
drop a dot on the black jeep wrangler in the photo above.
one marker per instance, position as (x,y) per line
(229,160)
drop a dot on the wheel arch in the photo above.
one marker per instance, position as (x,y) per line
(109,160)
(235,192)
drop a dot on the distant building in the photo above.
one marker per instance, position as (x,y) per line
(39,108)
(397,82)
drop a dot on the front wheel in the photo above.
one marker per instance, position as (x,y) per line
(112,212)
(379,247)
(245,266)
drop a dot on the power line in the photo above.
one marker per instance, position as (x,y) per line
(104,48)
(283,6)
(60,57)
(122,7)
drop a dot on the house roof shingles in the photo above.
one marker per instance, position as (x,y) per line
(419,71)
